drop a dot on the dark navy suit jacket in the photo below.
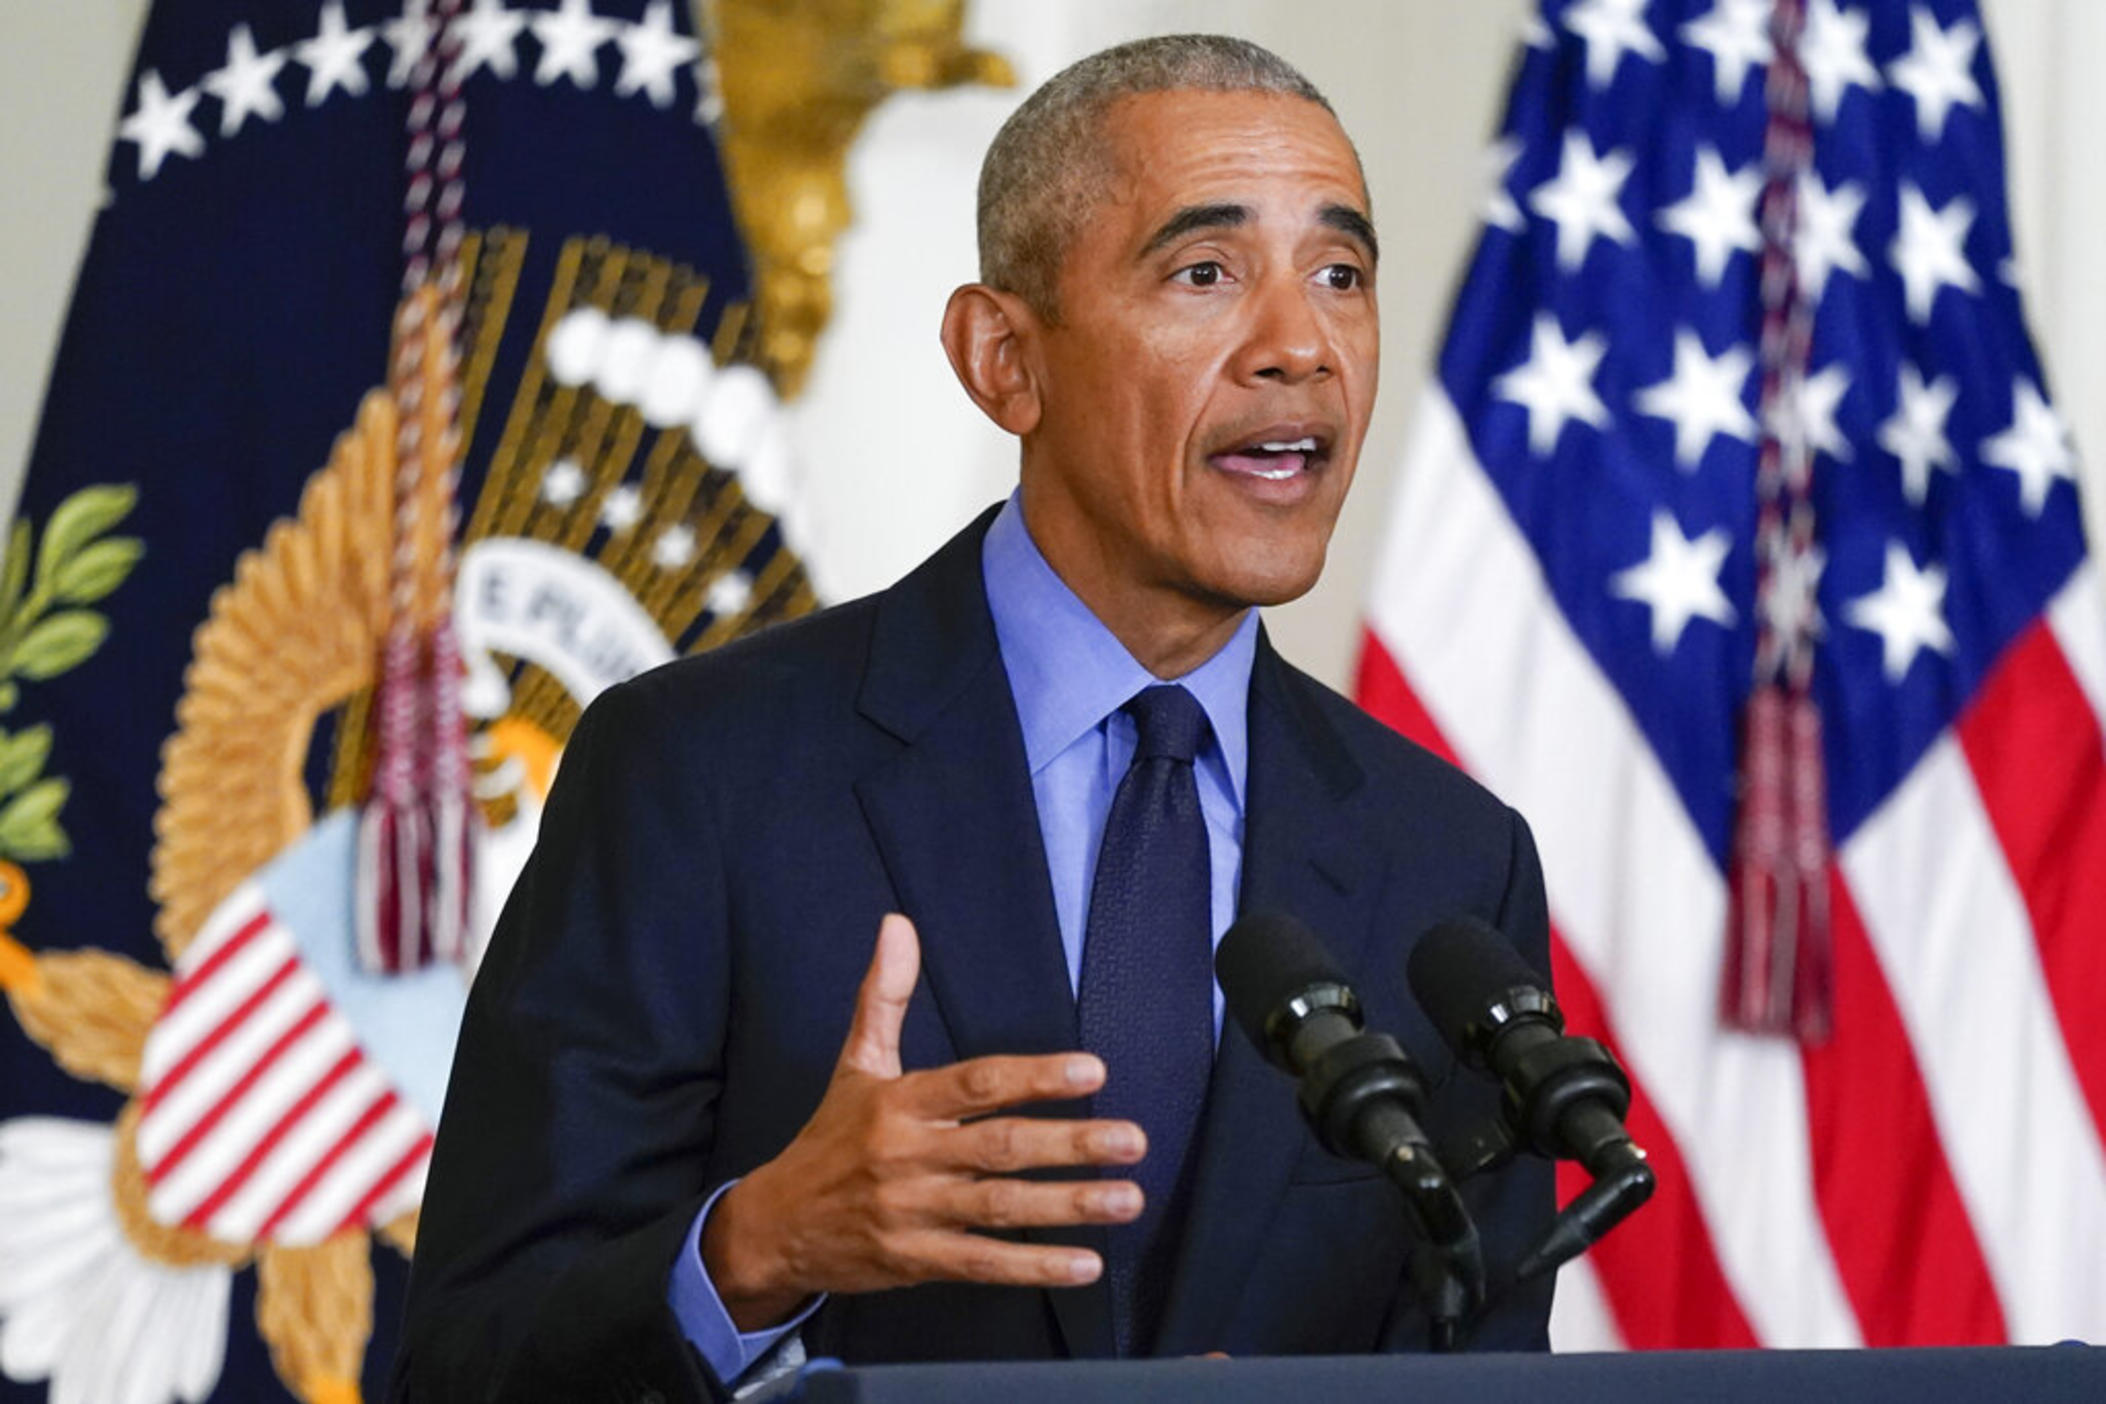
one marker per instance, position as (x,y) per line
(670,983)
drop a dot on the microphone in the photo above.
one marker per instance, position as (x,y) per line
(1360,1092)
(1564,1097)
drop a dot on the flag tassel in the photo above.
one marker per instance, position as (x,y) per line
(1779,969)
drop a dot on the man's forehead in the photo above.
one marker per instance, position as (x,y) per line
(1184,150)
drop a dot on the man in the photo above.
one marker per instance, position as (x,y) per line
(659,1155)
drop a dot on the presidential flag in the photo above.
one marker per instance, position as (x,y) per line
(1739,547)
(260,461)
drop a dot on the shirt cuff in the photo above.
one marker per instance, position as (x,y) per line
(728,1351)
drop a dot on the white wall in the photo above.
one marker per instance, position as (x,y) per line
(62,69)
(2048,58)
(894,454)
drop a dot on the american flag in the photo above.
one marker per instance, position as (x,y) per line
(1728,236)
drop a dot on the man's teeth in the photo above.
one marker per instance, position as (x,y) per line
(1282,459)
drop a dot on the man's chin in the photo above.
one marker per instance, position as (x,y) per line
(1251,583)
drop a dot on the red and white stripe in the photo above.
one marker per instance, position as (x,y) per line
(1935,1173)
(260,1116)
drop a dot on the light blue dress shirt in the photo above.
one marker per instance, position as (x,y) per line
(1069,676)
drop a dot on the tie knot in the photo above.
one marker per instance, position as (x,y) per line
(1172,724)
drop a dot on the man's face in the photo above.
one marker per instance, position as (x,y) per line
(1206,389)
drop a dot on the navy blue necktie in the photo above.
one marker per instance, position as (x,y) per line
(1147,990)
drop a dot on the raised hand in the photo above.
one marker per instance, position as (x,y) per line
(887,1182)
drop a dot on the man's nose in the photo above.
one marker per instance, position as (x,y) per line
(1287,340)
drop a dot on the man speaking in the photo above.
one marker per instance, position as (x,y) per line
(695,1115)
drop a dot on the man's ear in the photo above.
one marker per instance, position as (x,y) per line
(986,333)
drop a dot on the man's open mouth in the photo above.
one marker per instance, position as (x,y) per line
(1275,455)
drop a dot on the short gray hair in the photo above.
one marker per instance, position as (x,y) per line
(1048,162)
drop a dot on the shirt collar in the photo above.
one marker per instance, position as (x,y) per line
(1068,672)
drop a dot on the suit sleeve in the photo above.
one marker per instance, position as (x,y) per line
(572,1155)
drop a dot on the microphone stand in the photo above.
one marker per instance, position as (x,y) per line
(1438,1277)
(1359,1095)
(1446,1265)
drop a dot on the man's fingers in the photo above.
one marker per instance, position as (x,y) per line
(970,1257)
(1005,1145)
(982,1085)
(872,1045)
(1015,1204)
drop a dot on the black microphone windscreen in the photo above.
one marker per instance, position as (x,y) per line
(1460,968)
(1265,959)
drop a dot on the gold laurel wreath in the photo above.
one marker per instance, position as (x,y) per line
(294,635)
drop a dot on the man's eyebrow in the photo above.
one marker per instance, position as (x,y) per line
(1350,222)
(1343,218)
(1196,217)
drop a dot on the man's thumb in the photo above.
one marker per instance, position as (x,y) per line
(881,1004)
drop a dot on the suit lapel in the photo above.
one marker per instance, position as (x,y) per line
(955,820)
(1302,856)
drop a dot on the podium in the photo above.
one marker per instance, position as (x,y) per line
(2034,1374)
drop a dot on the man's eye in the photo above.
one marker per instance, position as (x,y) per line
(1343,277)
(1200,275)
